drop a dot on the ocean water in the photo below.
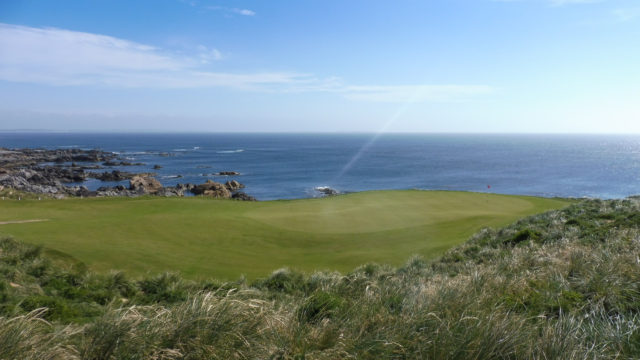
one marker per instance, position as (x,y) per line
(288,166)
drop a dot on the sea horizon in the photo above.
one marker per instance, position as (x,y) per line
(417,133)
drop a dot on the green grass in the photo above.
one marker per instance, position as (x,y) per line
(205,238)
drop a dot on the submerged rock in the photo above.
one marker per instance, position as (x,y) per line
(121,163)
(115,175)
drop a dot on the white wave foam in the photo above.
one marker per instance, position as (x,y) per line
(326,190)
(131,152)
(230,151)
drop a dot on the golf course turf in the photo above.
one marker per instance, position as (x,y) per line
(207,238)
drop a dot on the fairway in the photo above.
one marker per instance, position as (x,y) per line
(225,239)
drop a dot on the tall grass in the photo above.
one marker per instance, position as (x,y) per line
(561,285)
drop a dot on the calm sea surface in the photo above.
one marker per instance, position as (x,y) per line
(285,166)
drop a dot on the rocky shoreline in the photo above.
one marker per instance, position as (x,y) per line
(49,172)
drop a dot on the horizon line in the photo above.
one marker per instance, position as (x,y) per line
(194,132)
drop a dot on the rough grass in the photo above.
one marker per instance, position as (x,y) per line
(559,285)
(203,238)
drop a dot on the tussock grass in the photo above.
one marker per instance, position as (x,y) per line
(560,285)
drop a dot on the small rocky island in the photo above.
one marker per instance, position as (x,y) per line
(60,173)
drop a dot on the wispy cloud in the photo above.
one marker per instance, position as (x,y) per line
(416,93)
(572,2)
(626,14)
(207,55)
(69,58)
(245,12)
(228,10)
(554,3)
(62,57)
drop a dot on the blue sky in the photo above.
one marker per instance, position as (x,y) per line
(567,66)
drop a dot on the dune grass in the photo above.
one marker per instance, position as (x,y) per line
(204,238)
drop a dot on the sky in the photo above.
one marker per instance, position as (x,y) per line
(470,66)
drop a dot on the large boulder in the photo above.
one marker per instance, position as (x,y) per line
(213,189)
(145,184)
(170,191)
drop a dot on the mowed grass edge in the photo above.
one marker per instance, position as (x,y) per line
(207,238)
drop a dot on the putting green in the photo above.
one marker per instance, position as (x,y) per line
(380,211)
(225,239)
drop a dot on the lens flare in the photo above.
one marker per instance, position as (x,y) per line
(398,114)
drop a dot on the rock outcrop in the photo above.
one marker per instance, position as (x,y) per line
(144,184)
(61,172)
(213,189)
(233,185)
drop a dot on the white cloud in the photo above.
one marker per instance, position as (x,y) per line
(61,57)
(69,58)
(52,48)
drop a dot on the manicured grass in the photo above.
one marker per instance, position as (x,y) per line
(205,238)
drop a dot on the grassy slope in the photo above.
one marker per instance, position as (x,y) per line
(224,239)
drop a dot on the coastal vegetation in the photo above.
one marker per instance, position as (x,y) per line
(558,285)
(202,237)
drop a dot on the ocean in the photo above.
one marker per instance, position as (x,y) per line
(290,166)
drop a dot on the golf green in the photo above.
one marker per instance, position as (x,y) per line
(225,239)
